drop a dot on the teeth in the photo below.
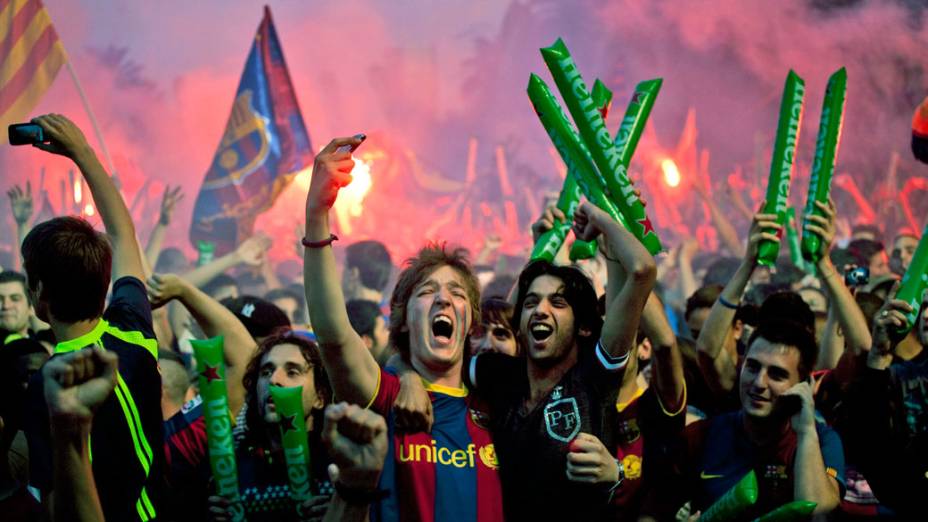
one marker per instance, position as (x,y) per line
(541,328)
(441,319)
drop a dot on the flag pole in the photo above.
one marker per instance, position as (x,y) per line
(93,120)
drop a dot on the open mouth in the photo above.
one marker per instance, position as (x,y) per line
(442,328)
(541,331)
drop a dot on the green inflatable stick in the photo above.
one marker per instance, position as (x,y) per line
(791,512)
(826,152)
(206,251)
(596,136)
(549,243)
(792,241)
(288,404)
(212,379)
(569,146)
(636,116)
(781,166)
(626,139)
(914,282)
(735,502)
(602,97)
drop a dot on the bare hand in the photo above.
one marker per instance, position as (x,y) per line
(21,203)
(492,243)
(162,288)
(802,421)
(219,509)
(587,221)
(688,248)
(590,462)
(313,510)
(357,442)
(760,231)
(546,221)
(64,138)
(412,408)
(252,250)
(76,384)
(331,172)
(890,317)
(168,201)
(823,226)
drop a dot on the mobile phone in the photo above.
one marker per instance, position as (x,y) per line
(857,276)
(352,148)
(26,134)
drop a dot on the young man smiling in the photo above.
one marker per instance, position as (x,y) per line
(450,473)
(775,433)
(552,413)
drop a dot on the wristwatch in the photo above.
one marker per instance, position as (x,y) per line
(619,481)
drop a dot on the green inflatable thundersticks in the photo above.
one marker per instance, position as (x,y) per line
(605,154)
(212,380)
(735,502)
(549,243)
(914,282)
(826,152)
(569,146)
(288,404)
(795,511)
(781,165)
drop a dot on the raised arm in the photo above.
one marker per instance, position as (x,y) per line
(350,365)
(22,207)
(67,140)
(812,482)
(75,385)
(848,314)
(667,361)
(215,319)
(250,252)
(717,364)
(168,201)
(631,272)
(720,221)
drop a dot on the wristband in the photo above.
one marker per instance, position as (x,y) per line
(727,304)
(358,496)
(319,244)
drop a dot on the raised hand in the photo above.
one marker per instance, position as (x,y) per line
(357,442)
(21,203)
(824,225)
(760,225)
(588,219)
(889,319)
(252,250)
(546,221)
(169,200)
(162,288)
(76,384)
(331,172)
(64,138)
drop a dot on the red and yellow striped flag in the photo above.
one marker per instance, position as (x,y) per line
(30,56)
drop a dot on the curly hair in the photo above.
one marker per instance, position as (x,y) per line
(310,352)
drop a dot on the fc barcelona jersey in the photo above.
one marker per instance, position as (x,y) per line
(448,474)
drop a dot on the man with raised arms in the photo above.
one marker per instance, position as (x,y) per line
(450,473)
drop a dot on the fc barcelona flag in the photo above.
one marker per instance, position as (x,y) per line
(264,146)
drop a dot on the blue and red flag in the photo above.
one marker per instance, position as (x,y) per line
(264,146)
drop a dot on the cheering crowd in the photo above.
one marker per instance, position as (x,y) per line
(627,387)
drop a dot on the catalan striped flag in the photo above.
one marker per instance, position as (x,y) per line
(30,56)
